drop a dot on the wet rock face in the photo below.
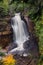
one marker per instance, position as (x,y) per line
(30,24)
(32,44)
(5,33)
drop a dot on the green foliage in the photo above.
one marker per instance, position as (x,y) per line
(39,31)
(4,8)
(2,54)
(40,61)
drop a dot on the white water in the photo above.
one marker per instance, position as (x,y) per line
(20,33)
(19,29)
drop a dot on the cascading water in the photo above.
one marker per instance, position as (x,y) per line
(20,33)
(19,29)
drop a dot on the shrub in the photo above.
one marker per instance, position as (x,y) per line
(9,60)
(4,8)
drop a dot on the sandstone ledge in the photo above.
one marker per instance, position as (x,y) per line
(5,33)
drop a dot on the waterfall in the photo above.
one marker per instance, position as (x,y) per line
(19,29)
(21,38)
